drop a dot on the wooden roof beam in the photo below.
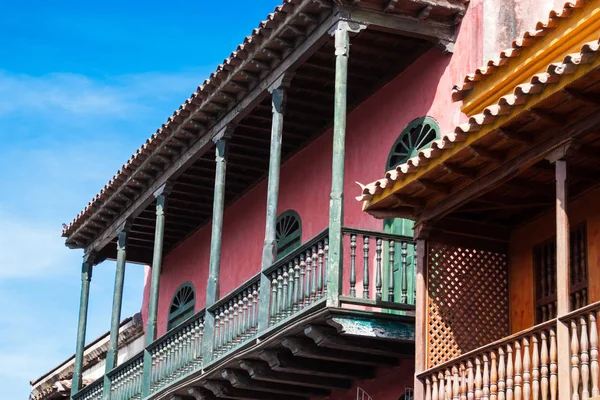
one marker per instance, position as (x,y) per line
(241,380)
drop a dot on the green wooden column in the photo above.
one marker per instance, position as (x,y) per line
(212,285)
(113,345)
(86,277)
(336,202)
(269,254)
(161,204)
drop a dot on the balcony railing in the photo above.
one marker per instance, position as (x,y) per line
(525,365)
(176,353)
(126,379)
(297,284)
(93,391)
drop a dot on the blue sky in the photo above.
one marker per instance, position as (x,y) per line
(82,85)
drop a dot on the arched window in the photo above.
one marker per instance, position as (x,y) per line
(182,305)
(288,232)
(417,136)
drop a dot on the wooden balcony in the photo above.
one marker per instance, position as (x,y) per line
(524,365)
(297,339)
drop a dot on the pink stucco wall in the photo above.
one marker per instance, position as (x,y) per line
(422,89)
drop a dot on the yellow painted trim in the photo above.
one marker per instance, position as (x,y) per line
(568,37)
(475,136)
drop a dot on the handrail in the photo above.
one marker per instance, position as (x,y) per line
(176,330)
(382,235)
(132,360)
(580,311)
(88,388)
(223,300)
(486,347)
(299,250)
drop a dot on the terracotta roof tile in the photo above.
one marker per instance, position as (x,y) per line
(528,39)
(540,82)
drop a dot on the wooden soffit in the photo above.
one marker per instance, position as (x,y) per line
(560,82)
(563,33)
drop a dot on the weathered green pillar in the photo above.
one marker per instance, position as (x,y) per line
(86,277)
(113,345)
(269,254)
(161,204)
(336,202)
(212,285)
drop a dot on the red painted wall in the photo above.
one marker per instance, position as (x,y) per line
(389,385)
(422,89)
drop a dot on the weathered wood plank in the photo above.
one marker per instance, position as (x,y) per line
(373,328)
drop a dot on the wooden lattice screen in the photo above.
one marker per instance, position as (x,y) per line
(468,300)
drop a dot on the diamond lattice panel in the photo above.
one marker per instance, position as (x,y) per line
(468,300)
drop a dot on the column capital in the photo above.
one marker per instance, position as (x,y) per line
(164,189)
(345,23)
(563,152)
(283,82)
(124,227)
(90,258)
(225,133)
(422,229)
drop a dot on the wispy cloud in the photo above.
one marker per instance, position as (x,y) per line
(80,95)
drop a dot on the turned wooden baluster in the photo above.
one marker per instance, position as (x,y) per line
(404,273)
(321,255)
(501,375)
(535,370)
(353,265)
(255,298)
(594,368)
(325,264)
(494,377)
(510,373)
(308,277)
(455,384)
(284,299)
(280,294)
(315,265)
(574,361)
(545,368)
(478,379)
(378,270)
(448,385)
(366,267)
(518,390)
(485,391)
(291,289)
(442,392)
(273,298)
(526,369)
(553,366)
(301,301)
(463,382)
(585,359)
(297,286)
(391,251)
(428,389)
(470,381)
(435,395)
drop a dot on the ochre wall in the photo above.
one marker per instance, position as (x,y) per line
(422,89)
(584,209)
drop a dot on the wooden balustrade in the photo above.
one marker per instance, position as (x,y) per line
(585,368)
(126,379)
(93,391)
(520,367)
(377,257)
(177,353)
(299,279)
(236,317)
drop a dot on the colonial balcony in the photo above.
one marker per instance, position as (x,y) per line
(299,338)
(525,365)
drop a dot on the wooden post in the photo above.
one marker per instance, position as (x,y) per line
(559,158)
(115,322)
(86,277)
(336,203)
(212,285)
(161,203)
(421,234)
(269,254)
